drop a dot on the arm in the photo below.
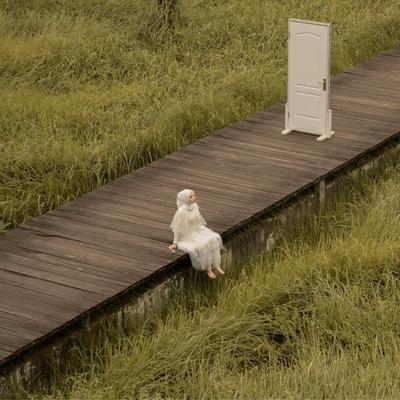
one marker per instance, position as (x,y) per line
(173,246)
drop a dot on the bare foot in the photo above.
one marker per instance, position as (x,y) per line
(211,274)
(220,270)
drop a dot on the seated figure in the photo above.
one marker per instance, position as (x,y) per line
(192,236)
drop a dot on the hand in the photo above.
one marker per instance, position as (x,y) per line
(172,248)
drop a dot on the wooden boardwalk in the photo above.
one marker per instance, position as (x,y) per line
(71,259)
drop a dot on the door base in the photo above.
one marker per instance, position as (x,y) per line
(324,137)
(321,136)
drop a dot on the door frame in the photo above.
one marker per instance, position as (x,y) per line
(326,132)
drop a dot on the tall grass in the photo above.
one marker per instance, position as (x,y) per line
(316,317)
(90,90)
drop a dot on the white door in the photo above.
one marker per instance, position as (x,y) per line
(308,76)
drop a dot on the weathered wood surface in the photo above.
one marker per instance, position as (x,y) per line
(57,266)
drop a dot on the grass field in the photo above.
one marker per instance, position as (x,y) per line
(315,317)
(93,89)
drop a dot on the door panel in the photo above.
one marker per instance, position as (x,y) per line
(307,69)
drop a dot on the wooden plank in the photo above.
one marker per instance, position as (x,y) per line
(81,275)
(111,235)
(168,233)
(393,51)
(391,55)
(241,170)
(382,64)
(376,69)
(77,251)
(262,181)
(13,274)
(98,238)
(219,199)
(164,209)
(365,117)
(330,154)
(44,258)
(151,173)
(213,210)
(28,303)
(106,203)
(75,279)
(22,324)
(371,133)
(206,198)
(21,335)
(8,348)
(347,148)
(273,145)
(11,340)
(337,105)
(382,104)
(215,184)
(287,158)
(90,217)
(374,89)
(130,216)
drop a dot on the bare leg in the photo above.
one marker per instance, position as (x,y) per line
(211,274)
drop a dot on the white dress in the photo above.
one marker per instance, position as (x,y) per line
(193,237)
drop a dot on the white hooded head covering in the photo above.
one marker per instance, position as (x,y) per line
(187,215)
(182,199)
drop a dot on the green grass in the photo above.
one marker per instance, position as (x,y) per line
(315,317)
(92,89)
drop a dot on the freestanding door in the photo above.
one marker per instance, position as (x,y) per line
(308,105)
